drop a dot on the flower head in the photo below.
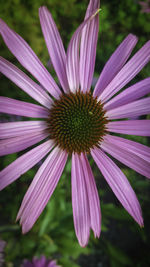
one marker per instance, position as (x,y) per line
(76,121)
(145,6)
(41,262)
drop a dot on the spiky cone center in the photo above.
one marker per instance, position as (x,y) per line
(77,122)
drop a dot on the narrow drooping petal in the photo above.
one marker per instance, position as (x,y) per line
(41,188)
(133,109)
(19,143)
(55,46)
(80,204)
(24,82)
(119,184)
(21,108)
(133,127)
(24,163)
(72,64)
(136,148)
(88,47)
(25,55)
(133,160)
(14,129)
(127,73)
(93,197)
(115,63)
(130,94)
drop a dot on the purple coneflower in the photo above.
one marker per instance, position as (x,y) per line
(145,6)
(76,121)
(41,262)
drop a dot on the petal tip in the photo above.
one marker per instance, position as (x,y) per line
(97,234)
(141,223)
(133,36)
(24,231)
(17,219)
(83,244)
(25,228)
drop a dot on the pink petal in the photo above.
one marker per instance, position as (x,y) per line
(19,143)
(38,262)
(133,109)
(24,82)
(127,156)
(119,184)
(80,204)
(115,63)
(54,45)
(53,263)
(21,108)
(72,64)
(88,47)
(24,163)
(41,188)
(25,55)
(138,149)
(127,73)
(143,4)
(14,129)
(134,127)
(93,197)
(130,94)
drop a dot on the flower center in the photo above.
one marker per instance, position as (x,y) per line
(77,122)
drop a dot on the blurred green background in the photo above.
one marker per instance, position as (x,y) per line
(122,242)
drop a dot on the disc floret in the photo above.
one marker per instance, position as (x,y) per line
(77,122)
